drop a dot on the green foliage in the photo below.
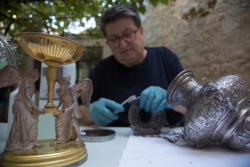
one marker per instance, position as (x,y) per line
(39,15)
(211,4)
(192,14)
(155,2)
(202,12)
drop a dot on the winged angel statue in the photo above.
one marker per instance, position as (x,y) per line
(23,134)
(67,127)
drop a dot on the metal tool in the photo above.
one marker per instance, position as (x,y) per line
(128,100)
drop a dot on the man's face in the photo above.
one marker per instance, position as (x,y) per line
(128,54)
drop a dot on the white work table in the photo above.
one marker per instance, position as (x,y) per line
(116,152)
(100,154)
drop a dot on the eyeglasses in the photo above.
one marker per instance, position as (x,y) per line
(128,37)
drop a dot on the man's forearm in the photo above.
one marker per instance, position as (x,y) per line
(86,119)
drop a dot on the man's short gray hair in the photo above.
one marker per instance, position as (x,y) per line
(117,12)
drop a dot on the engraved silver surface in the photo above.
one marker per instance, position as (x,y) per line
(97,135)
(145,123)
(8,54)
(217,112)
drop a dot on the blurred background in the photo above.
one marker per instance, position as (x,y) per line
(210,37)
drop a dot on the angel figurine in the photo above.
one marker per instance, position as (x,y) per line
(23,134)
(67,126)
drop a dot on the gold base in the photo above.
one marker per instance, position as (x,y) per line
(70,154)
(52,110)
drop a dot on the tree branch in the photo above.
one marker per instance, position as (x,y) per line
(28,1)
(47,28)
(35,10)
(8,28)
(90,33)
(12,7)
(68,7)
(65,17)
(47,16)
(4,15)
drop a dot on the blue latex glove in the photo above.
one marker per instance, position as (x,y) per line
(153,99)
(102,110)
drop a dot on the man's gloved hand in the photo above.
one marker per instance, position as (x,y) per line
(153,99)
(102,110)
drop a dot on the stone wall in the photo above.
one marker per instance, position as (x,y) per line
(214,42)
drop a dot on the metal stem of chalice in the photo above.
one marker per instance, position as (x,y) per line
(53,51)
(217,112)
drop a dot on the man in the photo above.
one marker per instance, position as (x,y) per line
(132,70)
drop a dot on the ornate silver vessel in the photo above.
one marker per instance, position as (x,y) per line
(217,112)
(145,123)
(8,54)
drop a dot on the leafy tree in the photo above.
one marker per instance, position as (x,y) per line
(57,15)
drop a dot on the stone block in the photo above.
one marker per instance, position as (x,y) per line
(226,69)
(215,70)
(205,48)
(195,60)
(185,63)
(209,58)
(214,46)
(245,68)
